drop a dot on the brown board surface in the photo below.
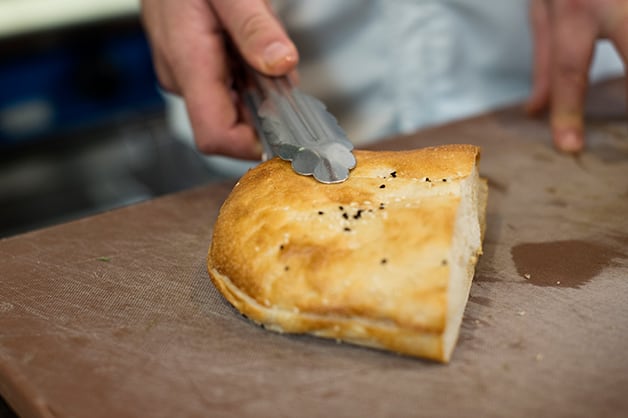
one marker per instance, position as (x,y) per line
(114,315)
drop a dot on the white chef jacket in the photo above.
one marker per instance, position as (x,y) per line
(393,66)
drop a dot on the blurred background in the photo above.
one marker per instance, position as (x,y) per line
(82,122)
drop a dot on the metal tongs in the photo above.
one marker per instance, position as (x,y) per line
(297,127)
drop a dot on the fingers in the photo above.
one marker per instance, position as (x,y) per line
(565,32)
(211,103)
(215,113)
(258,35)
(167,81)
(539,19)
(188,52)
(152,22)
(573,40)
(219,127)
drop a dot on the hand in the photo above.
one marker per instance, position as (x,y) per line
(565,32)
(187,39)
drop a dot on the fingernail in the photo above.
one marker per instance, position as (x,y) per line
(569,141)
(276,53)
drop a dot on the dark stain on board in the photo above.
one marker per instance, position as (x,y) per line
(569,263)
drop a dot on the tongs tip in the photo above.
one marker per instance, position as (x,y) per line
(297,127)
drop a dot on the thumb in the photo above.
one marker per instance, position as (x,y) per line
(258,35)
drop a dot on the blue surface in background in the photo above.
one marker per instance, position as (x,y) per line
(81,83)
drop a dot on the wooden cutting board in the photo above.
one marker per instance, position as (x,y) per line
(114,315)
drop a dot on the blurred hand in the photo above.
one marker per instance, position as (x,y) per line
(565,32)
(187,39)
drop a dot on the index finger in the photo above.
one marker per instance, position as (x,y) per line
(539,19)
(573,40)
(258,35)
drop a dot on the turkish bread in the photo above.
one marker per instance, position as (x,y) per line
(384,259)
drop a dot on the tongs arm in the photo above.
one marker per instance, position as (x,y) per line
(297,127)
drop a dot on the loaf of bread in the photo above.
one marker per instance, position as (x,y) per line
(384,259)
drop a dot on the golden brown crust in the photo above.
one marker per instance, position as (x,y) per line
(366,260)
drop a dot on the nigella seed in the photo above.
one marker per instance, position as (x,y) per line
(427,179)
(393,174)
(382,186)
(358,214)
(381,206)
(320,212)
(383,261)
(347,229)
(444,180)
(286,268)
(281,247)
(443,263)
(345,215)
(341,208)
